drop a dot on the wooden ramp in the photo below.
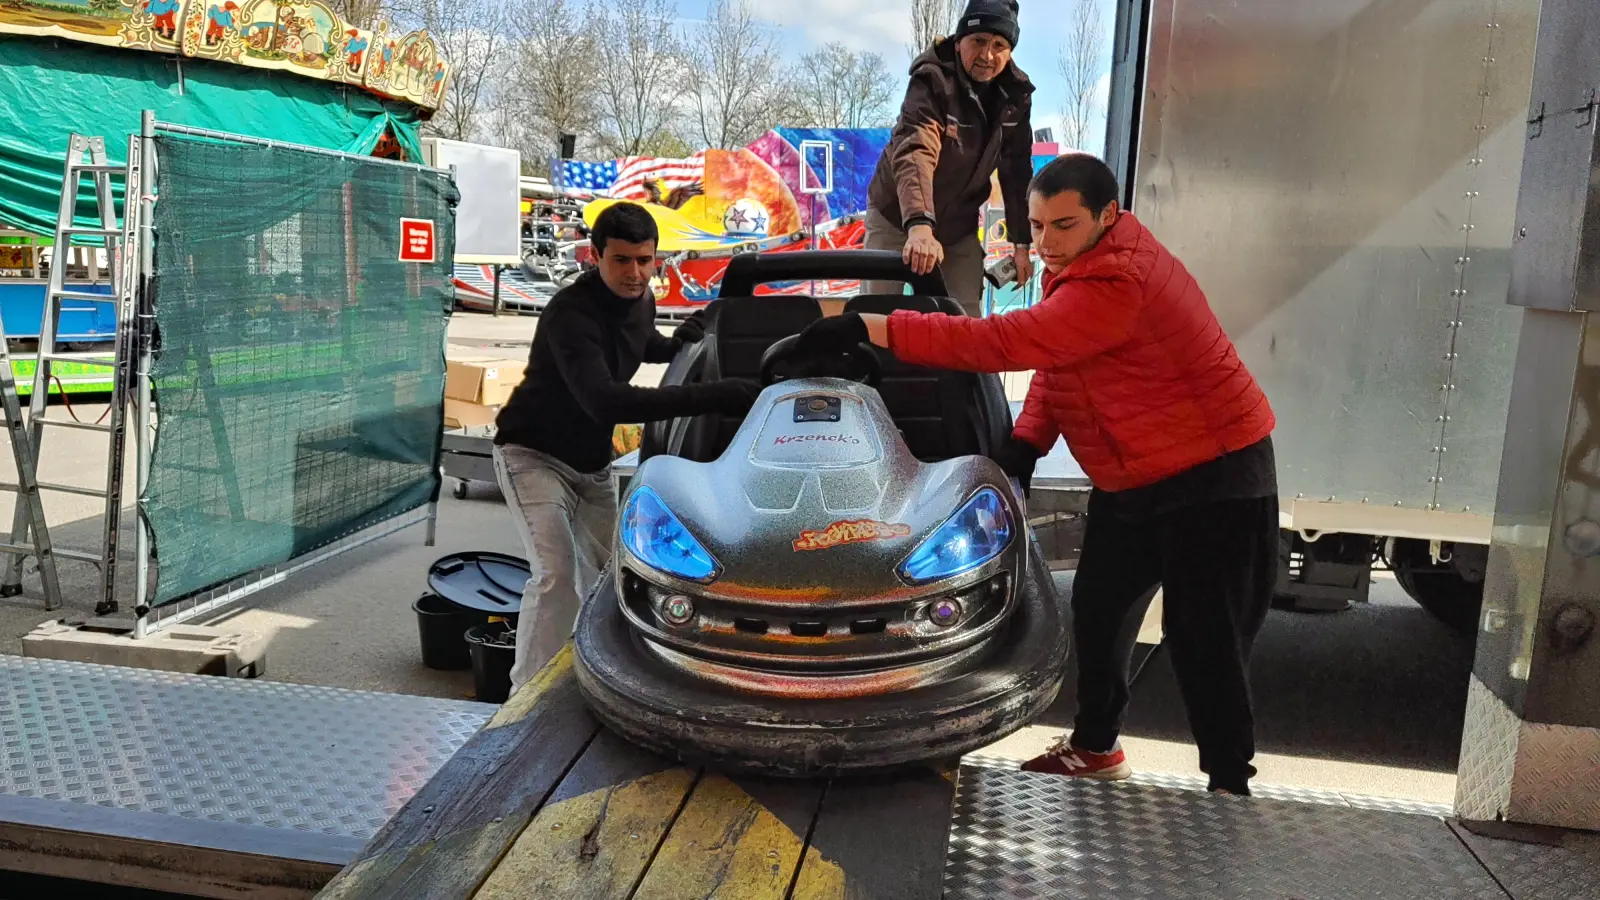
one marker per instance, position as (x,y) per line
(545,803)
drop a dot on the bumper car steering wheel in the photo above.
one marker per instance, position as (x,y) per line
(861,362)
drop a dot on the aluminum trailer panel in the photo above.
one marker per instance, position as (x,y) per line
(1341,178)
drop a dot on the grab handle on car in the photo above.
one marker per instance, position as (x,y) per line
(746,271)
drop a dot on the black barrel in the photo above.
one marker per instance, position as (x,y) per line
(493,649)
(441,629)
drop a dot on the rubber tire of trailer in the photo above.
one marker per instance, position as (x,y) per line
(671,713)
(1438,588)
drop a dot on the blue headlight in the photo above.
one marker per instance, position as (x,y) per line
(653,534)
(978,532)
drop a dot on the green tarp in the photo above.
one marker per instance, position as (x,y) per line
(50,88)
(299,371)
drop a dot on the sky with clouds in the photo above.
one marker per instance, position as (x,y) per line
(884,26)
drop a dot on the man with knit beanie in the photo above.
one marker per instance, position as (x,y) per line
(966,114)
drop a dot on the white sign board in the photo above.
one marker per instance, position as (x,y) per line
(488,220)
(816,159)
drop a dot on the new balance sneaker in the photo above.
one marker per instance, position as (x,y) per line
(1064,759)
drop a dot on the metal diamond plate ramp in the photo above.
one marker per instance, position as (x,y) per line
(1538,871)
(249,752)
(1020,836)
(1488,754)
(1257,789)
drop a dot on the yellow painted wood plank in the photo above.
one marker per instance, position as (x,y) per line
(593,846)
(820,879)
(728,845)
(520,704)
(881,838)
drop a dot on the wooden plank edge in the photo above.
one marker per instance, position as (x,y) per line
(161,852)
(447,839)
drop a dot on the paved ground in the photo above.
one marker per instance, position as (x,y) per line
(1369,701)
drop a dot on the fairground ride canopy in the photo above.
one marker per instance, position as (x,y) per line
(335,87)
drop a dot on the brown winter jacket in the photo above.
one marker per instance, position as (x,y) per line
(944,148)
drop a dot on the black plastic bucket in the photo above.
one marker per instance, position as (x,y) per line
(493,650)
(441,627)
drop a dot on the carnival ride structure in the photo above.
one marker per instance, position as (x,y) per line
(294,71)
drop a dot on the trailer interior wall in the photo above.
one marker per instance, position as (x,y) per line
(1341,178)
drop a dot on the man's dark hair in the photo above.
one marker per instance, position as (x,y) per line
(628,222)
(1092,179)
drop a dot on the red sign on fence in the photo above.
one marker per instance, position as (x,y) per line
(416,240)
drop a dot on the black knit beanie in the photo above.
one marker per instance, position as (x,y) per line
(989,17)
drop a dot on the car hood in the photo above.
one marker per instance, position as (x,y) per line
(817,499)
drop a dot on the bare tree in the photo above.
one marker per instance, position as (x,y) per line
(636,69)
(734,69)
(361,13)
(835,88)
(667,144)
(505,126)
(1079,62)
(547,88)
(931,20)
(472,38)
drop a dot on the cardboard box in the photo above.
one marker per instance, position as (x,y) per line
(461,414)
(484,381)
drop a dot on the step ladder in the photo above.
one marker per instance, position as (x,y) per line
(29,516)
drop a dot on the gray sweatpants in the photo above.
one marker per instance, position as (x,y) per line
(565,518)
(962,267)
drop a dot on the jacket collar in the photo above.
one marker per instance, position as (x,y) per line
(608,301)
(1106,257)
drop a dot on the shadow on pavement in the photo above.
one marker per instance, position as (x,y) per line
(1384,683)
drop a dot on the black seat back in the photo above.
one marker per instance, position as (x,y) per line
(937,410)
(744,327)
(739,330)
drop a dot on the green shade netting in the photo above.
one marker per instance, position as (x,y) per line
(299,368)
(50,88)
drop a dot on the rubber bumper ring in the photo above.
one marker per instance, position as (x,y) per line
(678,716)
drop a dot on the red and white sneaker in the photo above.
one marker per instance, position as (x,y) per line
(1064,759)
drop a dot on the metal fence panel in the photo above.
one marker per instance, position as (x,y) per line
(298,372)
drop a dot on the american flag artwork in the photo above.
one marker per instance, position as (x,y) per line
(586,176)
(624,179)
(634,171)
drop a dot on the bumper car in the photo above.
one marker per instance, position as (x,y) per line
(839,582)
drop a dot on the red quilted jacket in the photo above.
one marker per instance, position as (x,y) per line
(1132,367)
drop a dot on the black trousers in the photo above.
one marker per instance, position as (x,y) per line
(1216,563)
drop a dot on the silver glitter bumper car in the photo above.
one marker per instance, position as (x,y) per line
(839,582)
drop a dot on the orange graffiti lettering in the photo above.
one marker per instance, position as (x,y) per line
(849,533)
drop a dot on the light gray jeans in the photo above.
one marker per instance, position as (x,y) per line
(565,518)
(962,267)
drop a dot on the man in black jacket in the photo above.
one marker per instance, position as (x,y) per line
(553,444)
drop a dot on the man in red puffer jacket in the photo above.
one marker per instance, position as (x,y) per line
(1135,372)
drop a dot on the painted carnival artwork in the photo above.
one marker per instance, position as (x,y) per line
(721,203)
(306,37)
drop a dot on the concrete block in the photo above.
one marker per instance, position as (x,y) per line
(189,649)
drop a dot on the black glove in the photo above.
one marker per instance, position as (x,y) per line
(831,335)
(1017,458)
(693,329)
(733,396)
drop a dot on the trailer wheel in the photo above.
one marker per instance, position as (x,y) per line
(1439,588)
